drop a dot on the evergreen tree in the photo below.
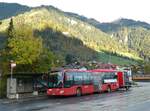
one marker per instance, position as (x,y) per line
(11,29)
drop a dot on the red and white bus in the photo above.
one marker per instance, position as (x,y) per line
(79,82)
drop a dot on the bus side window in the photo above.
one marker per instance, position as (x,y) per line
(86,78)
(68,79)
(78,78)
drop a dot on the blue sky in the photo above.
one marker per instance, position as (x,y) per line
(101,10)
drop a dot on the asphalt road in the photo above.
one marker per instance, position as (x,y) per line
(136,99)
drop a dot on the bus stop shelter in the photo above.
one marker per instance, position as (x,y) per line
(23,85)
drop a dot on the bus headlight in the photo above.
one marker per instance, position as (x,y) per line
(50,89)
(61,92)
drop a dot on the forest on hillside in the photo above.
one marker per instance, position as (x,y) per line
(50,36)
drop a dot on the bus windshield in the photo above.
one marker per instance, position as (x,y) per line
(55,80)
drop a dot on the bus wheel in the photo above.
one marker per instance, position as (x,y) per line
(109,89)
(78,92)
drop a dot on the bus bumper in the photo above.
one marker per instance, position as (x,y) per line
(55,92)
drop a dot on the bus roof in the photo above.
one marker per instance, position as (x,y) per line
(82,70)
(75,70)
(103,70)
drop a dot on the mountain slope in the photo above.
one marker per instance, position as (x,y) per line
(112,26)
(117,24)
(133,34)
(136,38)
(64,34)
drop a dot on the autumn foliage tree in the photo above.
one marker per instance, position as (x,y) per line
(24,47)
(27,50)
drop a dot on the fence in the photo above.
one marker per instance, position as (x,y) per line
(141,77)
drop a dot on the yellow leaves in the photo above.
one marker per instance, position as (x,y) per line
(24,47)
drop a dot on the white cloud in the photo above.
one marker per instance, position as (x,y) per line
(102,10)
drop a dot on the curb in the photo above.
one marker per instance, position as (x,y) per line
(14,101)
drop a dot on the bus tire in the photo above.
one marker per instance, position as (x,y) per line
(109,89)
(78,92)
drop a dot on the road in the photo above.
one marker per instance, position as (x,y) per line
(137,99)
